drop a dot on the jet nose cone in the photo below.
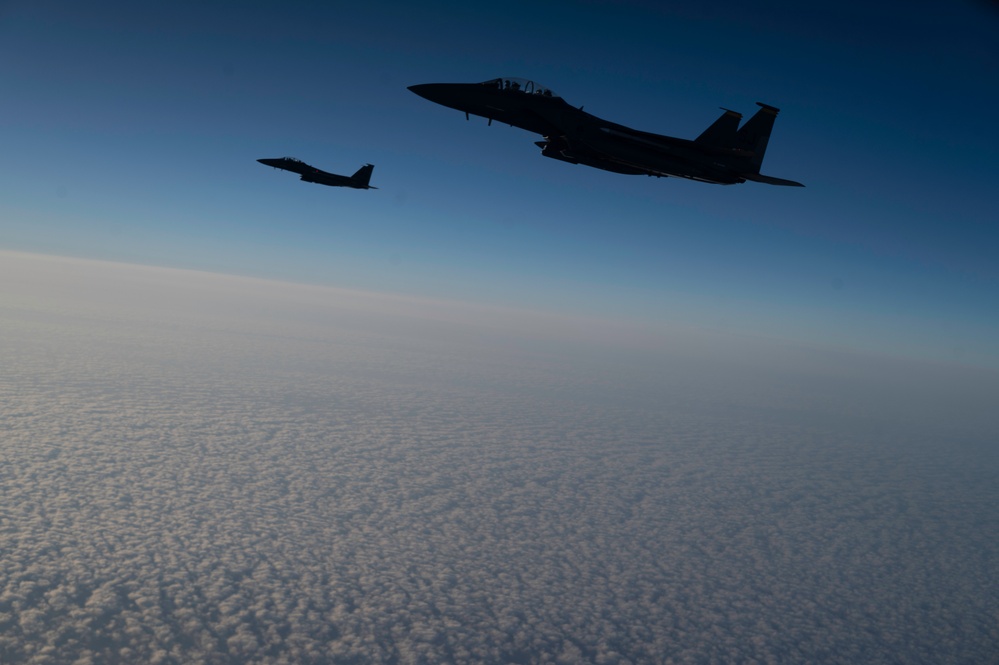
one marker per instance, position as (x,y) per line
(268,162)
(432,91)
(419,89)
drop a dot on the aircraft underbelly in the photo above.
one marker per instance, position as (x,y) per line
(662,158)
(611,148)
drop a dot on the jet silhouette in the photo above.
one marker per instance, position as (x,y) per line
(311,174)
(724,153)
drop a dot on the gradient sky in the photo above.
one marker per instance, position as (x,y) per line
(130,133)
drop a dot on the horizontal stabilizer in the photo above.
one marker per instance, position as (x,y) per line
(770,180)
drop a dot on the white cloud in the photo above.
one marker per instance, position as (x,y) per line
(199,468)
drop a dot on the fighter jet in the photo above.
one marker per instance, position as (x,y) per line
(311,174)
(723,154)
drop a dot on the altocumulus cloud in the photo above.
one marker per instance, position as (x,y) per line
(208,469)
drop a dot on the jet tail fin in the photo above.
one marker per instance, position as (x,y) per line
(755,134)
(722,131)
(363,176)
(754,137)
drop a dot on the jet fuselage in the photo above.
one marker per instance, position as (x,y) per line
(311,174)
(721,155)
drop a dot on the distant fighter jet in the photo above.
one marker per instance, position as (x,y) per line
(723,154)
(311,174)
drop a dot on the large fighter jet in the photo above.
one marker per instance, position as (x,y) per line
(311,174)
(723,154)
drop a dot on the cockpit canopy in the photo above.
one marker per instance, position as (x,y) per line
(293,159)
(519,85)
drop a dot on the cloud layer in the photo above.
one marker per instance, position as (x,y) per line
(197,468)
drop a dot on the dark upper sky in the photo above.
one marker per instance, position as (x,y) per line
(131,132)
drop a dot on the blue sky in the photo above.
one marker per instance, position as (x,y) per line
(131,131)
